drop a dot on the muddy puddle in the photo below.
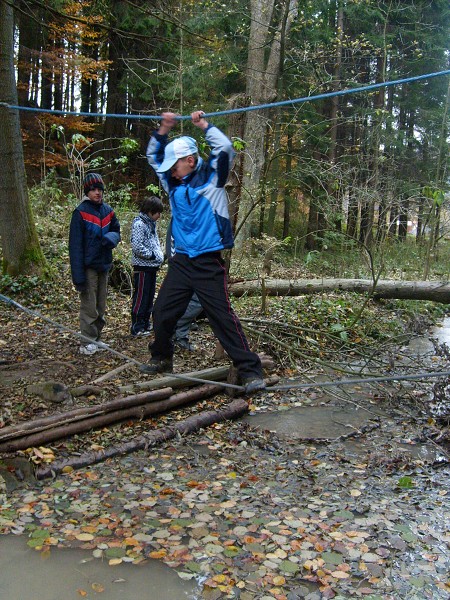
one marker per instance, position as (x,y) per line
(311,422)
(326,418)
(442,332)
(26,574)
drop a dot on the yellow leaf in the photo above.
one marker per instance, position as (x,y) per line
(84,537)
(52,541)
(131,542)
(279,580)
(320,573)
(45,554)
(308,565)
(339,575)
(89,529)
(82,592)
(96,447)
(158,554)
(97,587)
(114,561)
(67,469)
(355,493)
(228,503)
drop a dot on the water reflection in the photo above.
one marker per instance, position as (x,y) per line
(442,332)
(68,573)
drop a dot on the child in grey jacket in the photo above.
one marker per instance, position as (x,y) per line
(146,260)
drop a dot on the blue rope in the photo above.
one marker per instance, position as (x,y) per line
(366,88)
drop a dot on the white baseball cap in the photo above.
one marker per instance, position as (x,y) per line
(179,148)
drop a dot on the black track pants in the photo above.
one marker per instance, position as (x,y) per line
(206,276)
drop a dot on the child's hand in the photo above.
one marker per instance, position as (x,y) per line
(167,123)
(199,120)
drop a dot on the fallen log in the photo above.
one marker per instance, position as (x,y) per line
(437,291)
(79,414)
(211,374)
(232,411)
(114,372)
(137,412)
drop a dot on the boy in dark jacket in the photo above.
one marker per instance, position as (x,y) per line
(201,228)
(94,232)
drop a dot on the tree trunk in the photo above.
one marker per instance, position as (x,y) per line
(116,101)
(21,250)
(89,85)
(266,32)
(236,128)
(313,226)
(287,187)
(27,56)
(437,291)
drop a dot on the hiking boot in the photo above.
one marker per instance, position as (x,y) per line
(89,349)
(157,366)
(253,385)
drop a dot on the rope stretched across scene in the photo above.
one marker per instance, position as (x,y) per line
(231,111)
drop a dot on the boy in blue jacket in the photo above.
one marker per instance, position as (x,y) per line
(94,232)
(201,228)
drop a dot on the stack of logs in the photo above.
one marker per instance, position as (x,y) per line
(158,398)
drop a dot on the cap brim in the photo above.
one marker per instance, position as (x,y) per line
(166,165)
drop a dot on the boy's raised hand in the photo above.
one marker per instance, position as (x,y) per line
(199,120)
(168,121)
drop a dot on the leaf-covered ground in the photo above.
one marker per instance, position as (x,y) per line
(248,513)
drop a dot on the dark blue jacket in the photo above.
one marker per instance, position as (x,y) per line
(94,232)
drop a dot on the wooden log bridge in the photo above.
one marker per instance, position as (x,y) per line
(437,291)
(38,432)
(235,409)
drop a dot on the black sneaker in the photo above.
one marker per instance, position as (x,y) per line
(253,385)
(157,366)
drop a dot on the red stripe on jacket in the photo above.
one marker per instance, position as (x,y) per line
(95,220)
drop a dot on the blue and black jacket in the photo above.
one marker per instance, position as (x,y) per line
(199,203)
(94,232)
